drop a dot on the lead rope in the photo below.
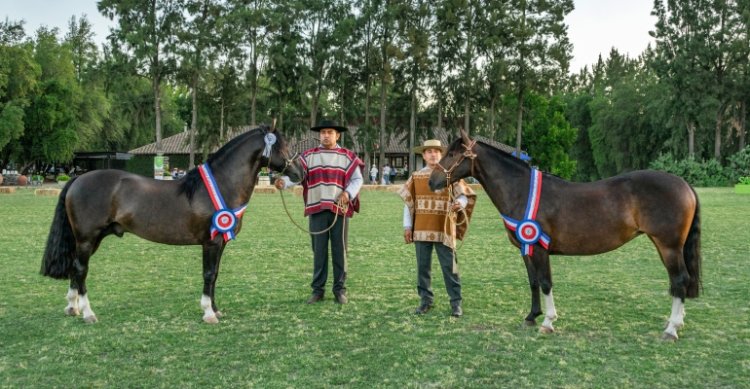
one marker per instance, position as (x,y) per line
(343,208)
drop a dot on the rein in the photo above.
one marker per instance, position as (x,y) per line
(450,223)
(341,208)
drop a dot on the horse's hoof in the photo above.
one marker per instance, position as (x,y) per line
(546,330)
(90,319)
(528,324)
(667,337)
(70,311)
(219,315)
(211,319)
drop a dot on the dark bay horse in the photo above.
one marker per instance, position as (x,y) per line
(181,212)
(584,219)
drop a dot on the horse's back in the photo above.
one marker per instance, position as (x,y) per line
(149,208)
(660,190)
(614,210)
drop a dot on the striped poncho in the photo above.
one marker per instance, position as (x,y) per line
(327,173)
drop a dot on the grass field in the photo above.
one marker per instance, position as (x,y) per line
(612,310)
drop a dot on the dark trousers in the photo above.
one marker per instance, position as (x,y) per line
(319,222)
(424,271)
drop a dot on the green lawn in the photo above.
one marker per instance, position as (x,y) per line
(612,310)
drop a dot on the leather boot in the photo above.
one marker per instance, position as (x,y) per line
(314,298)
(423,308)
(456,310)
(341,297)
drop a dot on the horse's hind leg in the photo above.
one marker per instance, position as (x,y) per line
(78,281)
(72,297)
(678,279)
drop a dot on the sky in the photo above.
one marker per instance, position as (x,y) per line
(594,27)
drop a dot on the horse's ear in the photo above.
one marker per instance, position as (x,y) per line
(273,125)
(465,137)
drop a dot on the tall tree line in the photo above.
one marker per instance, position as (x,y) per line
(388,67)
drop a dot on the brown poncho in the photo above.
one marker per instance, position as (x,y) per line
(429,209)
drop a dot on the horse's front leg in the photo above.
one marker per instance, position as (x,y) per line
(536,308)
(540,260)
(211,258)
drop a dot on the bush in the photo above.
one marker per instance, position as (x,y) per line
(702,174)
(62,178)
(739,165)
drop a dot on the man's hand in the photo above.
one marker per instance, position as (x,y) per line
(456,207)
(279,183)
(343,198)
(408,238)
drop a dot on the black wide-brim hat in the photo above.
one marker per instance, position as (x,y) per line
(323,124)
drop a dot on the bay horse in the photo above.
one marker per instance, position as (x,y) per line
(568,218)
(179,212)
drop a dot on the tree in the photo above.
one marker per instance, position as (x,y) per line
(414,26)
(460,25)
(699,45)
(324,26)
(19,77)
(146,28)
(284,69)
(494,36)
(539,50)
(51,117)
(94,106)
(198,39)
(549,135)
(253,17)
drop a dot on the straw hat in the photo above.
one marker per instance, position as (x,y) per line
(430,144)
(328,124)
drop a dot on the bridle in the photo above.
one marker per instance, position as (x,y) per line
(468,153)
(287,162)
(450,220)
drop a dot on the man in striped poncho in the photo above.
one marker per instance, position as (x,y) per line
(331,184)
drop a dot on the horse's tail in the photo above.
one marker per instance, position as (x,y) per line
(692,252)
(60,253)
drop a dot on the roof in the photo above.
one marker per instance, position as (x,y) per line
(180,143)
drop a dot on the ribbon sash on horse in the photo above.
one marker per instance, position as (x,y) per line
(528,231)
(224,219)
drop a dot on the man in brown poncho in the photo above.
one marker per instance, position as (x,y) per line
(427,223)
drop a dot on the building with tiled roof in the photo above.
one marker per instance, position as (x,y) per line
(177,147)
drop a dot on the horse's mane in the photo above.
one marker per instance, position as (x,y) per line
(518,161)
(193,180)
(506,155)
(457,145)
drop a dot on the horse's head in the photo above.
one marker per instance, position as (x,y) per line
(281,160)
(456,164)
